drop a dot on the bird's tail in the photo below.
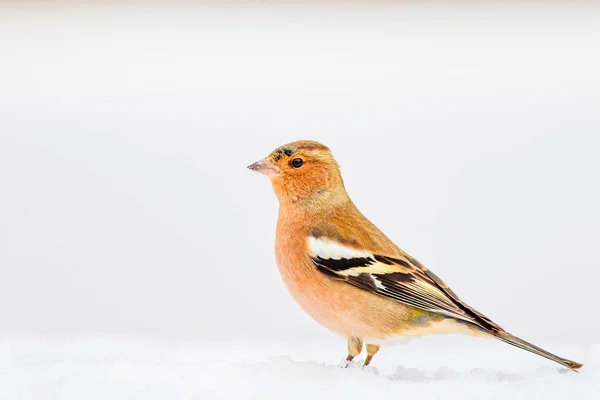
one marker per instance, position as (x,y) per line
(520,343)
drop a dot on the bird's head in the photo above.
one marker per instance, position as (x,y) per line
(302,171)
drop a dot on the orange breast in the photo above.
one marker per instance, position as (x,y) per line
(339,306)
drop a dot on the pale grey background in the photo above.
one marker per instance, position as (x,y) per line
(126,209)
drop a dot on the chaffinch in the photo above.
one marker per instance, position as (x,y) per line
(347,274)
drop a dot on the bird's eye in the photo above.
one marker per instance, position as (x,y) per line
(297,162)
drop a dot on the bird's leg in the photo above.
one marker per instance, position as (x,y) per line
(354,349)
(372,349)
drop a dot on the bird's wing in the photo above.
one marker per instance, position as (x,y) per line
(402,278)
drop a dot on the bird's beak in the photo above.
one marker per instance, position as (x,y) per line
(265,167)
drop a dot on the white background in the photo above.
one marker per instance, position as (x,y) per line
(136,249)
(470,137)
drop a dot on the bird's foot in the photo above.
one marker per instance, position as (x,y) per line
(370,369)
(349,362)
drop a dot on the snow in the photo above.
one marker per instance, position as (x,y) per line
(449,367)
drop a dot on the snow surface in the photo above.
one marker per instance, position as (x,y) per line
(432,368)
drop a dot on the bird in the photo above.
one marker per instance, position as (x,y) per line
(348,275)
